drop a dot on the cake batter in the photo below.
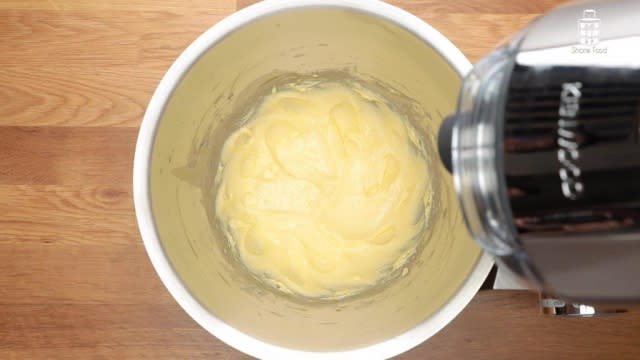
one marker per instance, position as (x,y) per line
(324,191)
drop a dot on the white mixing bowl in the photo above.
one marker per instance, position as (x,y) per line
(197,105)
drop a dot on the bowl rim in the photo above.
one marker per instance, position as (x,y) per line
(142,202)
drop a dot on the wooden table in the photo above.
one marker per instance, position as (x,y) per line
(75,282)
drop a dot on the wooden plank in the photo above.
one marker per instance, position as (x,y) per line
(75,95)
(129,5)
(105,332)
(96,273)
(66,68)
(496,325)
(73,244)
(161,351)
(55,155)
(168,350)
(33,214)
(43,37)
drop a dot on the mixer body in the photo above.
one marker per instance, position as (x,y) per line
(545,152)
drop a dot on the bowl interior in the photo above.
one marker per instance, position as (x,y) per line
(206,106)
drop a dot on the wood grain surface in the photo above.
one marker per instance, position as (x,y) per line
(75,282)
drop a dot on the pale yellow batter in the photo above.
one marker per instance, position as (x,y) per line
(324,190)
